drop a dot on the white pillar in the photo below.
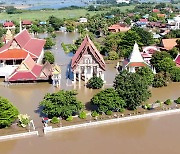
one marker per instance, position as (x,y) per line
(91,71)
(74,76)
(85,73)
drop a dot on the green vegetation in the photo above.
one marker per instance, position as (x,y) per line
(147,74)
(113,55)
(8,113)
(131,88)
(94,114)
(175,74)
(109,112)
(177,101)
(168,102)
(24,120)
(82,115)
(69,118)
(48,56)
(108,99)
(161,79)
(62,103)
(49,43)
(146,106)
(95,83)
(55,120)
(44,14)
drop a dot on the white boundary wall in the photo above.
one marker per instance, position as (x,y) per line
(20,135)
(97,123)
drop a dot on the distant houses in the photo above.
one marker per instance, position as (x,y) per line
(9,25)
(87,62)
(122,1)
(168,44)
(118,28)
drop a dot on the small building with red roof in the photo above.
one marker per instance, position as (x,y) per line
(155,10)
(9,25)
(118,28)
(168,44)
(17,49)
(87,62)
(135,61)
(148,51)
(29,70)
(177,60)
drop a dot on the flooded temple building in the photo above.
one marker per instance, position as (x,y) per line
(87,62)
(16,50)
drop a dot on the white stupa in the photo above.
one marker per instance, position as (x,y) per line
(135,60)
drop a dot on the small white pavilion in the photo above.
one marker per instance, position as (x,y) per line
(135,61)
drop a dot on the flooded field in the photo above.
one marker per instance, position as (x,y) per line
(156,135)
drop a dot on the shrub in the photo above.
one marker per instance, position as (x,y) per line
(70,118)
(55,120)
(94,114)
(8,113)
(48,56)
(146,106)
(83,115)
(24,119)
(113,55)
(109,112)
(95,83)
(49,43)
(177,101)
(168,102)
(158,101)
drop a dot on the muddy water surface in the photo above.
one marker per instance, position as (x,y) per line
(156,135)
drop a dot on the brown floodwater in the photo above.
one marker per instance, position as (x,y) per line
(156,135)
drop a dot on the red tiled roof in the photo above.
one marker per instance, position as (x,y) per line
(32,73)
(22,38)
(143,20)
(168,44)
(8,24)
(21,76)
(137,64)
(156,10)
(26,22)
(87,45)
(13,54)
(161,15)
(33,46)
(37,70)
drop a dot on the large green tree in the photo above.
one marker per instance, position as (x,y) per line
(157,57)
(161,79)
(146,74)
(108,99)
(165,65)
(62,103)
(175,74)
(146,38)
(132,88)
(8,113)
(48,56)
(49,43)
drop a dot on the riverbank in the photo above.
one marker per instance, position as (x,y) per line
(115,120)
